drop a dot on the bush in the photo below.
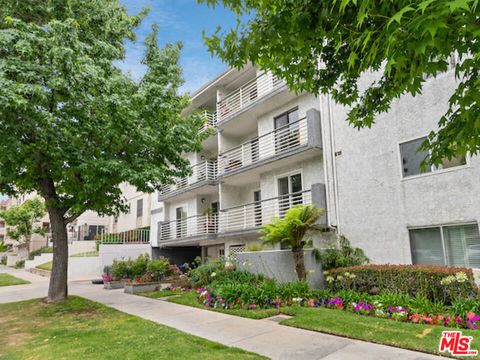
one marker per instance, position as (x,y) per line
(3,247)
(435,283)
(203,275)
(3,260)
(342,255)
(20,264)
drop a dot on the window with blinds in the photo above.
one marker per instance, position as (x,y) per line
(457,245)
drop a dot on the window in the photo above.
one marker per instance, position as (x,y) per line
(139,208)
(456,245)
(289,192)
(287,134)
(412,159)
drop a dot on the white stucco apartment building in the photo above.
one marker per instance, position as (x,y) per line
(263,156)
(271,149)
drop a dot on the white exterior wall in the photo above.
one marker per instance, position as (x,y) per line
(377,205)
(129,221)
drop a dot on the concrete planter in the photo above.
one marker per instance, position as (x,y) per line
(113,285)
(135,288)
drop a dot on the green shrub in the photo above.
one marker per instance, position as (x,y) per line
(463,306)
(121,269)
(293,289)
(139,265)
(203,275)
(20,264)
(3,260)
(342,255)
(3,247)
(435,283)
(158,269)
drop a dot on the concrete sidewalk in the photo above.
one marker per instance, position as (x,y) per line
(264,337)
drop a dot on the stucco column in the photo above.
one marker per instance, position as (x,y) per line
(314,128)
(319,199)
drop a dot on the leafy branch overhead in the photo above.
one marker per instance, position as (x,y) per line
(402,42)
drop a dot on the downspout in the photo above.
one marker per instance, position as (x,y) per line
(334,164)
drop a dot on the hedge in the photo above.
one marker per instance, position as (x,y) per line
(436,283)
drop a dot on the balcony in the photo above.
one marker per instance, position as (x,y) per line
(247,95)
(210,119)
(241,218)
(203,173)
(188,227)
(282,142)
(137,236)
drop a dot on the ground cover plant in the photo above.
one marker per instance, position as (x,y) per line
(7,280)
(81,329)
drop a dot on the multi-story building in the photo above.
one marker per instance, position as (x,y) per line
(263,156)
(380,197)
(3,228)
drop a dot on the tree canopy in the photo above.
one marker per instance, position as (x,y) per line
(72,125)
(327,46)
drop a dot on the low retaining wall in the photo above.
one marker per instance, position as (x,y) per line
(108,253)
(85,268)
(279,264)
(38,260)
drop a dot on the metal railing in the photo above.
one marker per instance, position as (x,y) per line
(247,94)
(210,119)
(188,227)
(283,139)
(255,214)
(137,236)
(242,217)
(205,170)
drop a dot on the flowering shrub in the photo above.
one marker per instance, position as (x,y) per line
(436,283)
(142,269)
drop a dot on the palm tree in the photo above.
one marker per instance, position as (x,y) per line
(291,230)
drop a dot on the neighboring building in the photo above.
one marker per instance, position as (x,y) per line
(88,226)
(264,156)
(138,215)
(380,198)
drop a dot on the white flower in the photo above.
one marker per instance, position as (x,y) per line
(326,273)
(330,279)
(213,274)
(461,277)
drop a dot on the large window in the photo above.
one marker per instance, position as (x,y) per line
(456,245)
(139,208)
(412,158)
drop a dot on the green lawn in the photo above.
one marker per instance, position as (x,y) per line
(86,254)
(337,322)
(46,266)
(7,280)
(81,329)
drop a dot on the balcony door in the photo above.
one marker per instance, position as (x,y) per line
(289,192)
(181,221)
(257,207)
(287,132)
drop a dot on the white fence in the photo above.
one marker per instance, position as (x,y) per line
(137,236)
(243,217)
(205,170)
(278,141)
(247,94)
(210,120)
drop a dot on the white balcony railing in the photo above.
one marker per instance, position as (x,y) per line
(243,217)
(283,139)
(247,94)
(210,120)
(188,227)
(203,171)
(137,236)
(255,214)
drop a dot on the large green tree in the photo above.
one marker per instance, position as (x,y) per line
(72,125)
(326,47)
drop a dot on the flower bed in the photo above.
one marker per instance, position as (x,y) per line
(436,283)
(470,319)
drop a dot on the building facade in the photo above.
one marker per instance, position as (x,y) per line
(381,199)
(270,149)
(263,155)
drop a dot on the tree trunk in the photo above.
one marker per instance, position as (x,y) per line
(299,259)
(57,290)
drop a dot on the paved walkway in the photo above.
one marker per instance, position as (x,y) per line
(264,337)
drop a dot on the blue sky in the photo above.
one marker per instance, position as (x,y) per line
(179,20)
